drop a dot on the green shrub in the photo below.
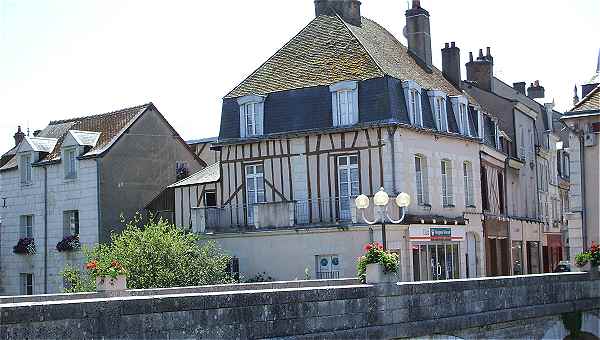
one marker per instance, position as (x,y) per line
(157,254)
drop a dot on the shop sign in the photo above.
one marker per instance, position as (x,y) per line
(436,233)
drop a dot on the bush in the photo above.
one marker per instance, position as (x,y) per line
(582,259)
(592,256)
(160,255)
(76,281)
(374,253)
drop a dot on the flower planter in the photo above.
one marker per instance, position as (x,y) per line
(592,270)
(375,274)
(109,284)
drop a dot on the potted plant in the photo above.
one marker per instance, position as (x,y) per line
(25,246)
(377,265)
(110,276)
(589,260)
(69,243)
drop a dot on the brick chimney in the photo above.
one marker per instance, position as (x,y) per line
(418,33)
(535,90)
(481,71)
(520,87)
(451,63)
(19,136)
(348,10)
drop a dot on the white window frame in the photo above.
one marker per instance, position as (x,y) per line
(460,105)
(255,104)
(468,181)
(421,180)
(347,163)
(26,283)
(480,122)
(446,183)
(25,168)
(344,103)
(255,193)
(414,107)
(71,222)
(439,108)
(26,223)
(70,162)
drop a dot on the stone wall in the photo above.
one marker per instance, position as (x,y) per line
(461,307)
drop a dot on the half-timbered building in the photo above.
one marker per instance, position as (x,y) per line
(343,109)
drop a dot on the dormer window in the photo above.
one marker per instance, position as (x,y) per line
(70,163)
(25,168)
(412,93)
(251,115)
(438,103)
(460,106)
(344,102)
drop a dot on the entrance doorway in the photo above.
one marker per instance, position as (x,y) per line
(436,261)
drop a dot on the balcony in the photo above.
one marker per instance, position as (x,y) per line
(273,215)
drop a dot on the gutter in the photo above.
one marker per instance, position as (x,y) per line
(583,193)
(393,151)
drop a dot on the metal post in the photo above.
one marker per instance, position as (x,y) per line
(383,238)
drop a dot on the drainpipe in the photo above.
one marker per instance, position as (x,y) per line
(583,208)
(45,230)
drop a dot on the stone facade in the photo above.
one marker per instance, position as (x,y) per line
(483,308)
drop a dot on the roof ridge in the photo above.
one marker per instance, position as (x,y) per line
(76,119)
(360,42)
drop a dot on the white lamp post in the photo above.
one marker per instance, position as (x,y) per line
(381,200)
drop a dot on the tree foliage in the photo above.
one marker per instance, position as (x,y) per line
(157,254)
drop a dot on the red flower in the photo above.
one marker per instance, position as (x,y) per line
(91,265)
(379,246)
(368,247)
(115,264)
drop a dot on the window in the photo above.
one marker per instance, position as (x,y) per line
(485,200)
(412,93)
(421,180)
(348,183)
(521,142)
(251,115)
(344,103)
(181,170)
(468,177)
(328,267)
(255,188)
(26,226)
(71,222)
(210,199)
(26,283)
(438,103)
(480,122)
(70,163)
(464,119)
(447,197)
(25,168)
(501,192)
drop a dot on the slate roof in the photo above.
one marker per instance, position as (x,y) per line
(591,102)
(329,50)
(210,174)
(109,126)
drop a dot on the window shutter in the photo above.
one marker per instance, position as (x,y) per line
(260,114)
(355,112)
(425,172)
(334,109)
(407,100)
(66,165)
(449,181)
(242,121)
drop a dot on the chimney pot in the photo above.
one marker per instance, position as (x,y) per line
(480,54)
(348,10)
(19,136)
(470,56)
(453,44)
(416,4)
(489,52)
(447,45)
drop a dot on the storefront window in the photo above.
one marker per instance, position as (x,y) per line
(517,255)
(438,261)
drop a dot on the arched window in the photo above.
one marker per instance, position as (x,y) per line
(421,182)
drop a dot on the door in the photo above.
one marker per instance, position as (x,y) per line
(348,184)
(255,189)
(441,262)
(471,256)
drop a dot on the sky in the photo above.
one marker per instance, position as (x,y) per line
(69,58)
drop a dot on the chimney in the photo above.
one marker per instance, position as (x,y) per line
(19,136)
(520,87)
(575,96)
(481,71)
(451,63)
(418,33)
(348,10)
(535,90)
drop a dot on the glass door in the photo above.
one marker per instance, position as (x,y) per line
(436,262)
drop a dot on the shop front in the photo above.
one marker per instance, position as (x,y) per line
(553,251)
(526,247)
(497,255)
(437,252)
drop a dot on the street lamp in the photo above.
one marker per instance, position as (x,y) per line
(381,200)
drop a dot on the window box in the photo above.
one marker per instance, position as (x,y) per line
(69,243)
(25,246)
(449,206)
